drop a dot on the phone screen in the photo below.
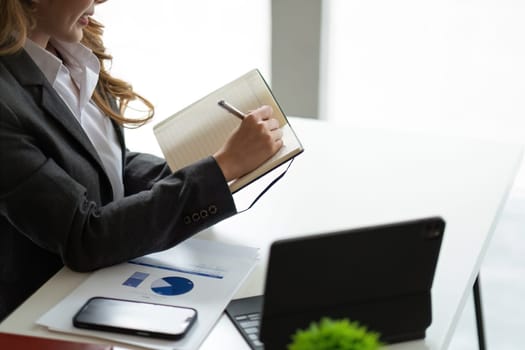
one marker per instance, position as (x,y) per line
(135,317)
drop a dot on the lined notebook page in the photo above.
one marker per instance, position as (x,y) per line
(202,128)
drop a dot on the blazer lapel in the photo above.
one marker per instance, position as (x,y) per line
(33,80)
(120,137)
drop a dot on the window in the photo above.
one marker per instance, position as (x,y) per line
(454,66)
(174,52)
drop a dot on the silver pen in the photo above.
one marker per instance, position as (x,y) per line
(231,109)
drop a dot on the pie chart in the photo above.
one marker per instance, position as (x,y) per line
(172,285)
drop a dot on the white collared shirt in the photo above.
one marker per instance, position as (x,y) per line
(75,80)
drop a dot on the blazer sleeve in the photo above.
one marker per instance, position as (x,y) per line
(142,171)
(45,203)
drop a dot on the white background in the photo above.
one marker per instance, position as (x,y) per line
(454,66)
(175,52)
(457,66)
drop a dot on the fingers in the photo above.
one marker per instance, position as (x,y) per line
(264,116)
(276,133)
(262,113)
(271,124)
(258,137)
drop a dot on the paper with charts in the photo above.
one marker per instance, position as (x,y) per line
(196,273)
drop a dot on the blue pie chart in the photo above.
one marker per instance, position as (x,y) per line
(172,285)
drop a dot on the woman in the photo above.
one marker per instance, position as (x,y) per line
(70,192)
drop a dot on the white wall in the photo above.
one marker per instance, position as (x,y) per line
(174,52)
(453,65)
(457,66)
(422,64)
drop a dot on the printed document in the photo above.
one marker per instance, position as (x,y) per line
(197,273)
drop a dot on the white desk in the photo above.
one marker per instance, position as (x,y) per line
(351,178)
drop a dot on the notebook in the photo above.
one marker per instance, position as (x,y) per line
(200,129)
(380,276)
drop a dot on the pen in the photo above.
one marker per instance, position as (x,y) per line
(231,109)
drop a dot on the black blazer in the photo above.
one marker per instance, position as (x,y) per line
(56,205)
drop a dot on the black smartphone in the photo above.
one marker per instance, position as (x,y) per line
(135,317)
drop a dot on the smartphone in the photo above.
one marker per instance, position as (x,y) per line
(135,317)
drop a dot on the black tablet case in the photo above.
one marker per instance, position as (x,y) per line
(380,276)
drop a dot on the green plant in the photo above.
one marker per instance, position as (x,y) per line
(335,335)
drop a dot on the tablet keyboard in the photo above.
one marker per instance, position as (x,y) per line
(246,315)
(249,326)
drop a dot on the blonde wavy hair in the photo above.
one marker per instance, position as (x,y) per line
(16,21)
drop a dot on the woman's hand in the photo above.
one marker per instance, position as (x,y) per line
(254,141)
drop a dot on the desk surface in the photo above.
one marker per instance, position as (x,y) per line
(350,177)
